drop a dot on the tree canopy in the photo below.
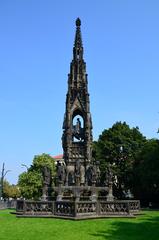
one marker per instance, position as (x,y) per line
(146,179)
(30,182)
(119,146)
(10,190)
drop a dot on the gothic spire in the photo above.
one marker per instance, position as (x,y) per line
(78,48)
(77,126)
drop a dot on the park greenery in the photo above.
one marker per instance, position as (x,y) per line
(146,173)
(134,161)
(30,182)
(143,227)
(10,190)
(119,146)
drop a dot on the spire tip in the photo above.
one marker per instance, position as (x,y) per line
(78,22)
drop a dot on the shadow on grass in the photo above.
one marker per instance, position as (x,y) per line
(146,229)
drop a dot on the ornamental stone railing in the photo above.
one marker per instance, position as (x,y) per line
(4,204)
(35,207)
(78,209)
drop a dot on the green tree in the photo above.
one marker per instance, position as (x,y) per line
(119,146)
(10,190)
(30,182)
(147,173)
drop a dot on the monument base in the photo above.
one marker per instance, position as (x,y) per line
(77,210)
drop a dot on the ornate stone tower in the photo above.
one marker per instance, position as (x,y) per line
(78,191)
(77,126)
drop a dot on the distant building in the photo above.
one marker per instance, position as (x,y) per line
(58,158)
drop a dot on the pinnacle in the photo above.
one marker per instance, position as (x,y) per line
(78,22)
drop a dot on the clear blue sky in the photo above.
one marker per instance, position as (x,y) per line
(121,43)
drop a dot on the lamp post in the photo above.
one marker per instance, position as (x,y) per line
(3,174)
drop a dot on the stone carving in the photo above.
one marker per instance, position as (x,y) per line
(97,173)
(46,174)
(89,176)
(109,181)
(77,129)
(60,172)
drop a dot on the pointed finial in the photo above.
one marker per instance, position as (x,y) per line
(78,49)
(78,22)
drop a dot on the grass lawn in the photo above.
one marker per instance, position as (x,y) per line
(144,227)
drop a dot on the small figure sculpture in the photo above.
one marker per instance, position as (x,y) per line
(109,182)
(89,175)
(46,173)
(77,130)
(97,173)
(94,173)
(60,172)
(78,126)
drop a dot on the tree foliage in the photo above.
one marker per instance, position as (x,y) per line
(119,146)
(146,179)
(30,182)
(10,190)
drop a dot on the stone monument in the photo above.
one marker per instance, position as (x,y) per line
(77,139)
(78,191)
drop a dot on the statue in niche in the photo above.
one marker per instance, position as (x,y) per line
(94,174)
(71,179)
(78,130)
(89,173)
(109,176)
(109,181)
(46,174)
(78,125)
(97,173)
(60,172)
